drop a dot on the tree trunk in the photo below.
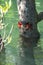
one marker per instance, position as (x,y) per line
(28,14)
(28,37)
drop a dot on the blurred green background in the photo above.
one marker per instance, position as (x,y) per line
(10,55)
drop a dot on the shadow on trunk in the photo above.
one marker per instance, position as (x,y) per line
(26,53)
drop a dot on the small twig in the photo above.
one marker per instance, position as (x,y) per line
(9,34)
(40,16)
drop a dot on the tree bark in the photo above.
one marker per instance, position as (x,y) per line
(40,16)
(28,38)
(28,14)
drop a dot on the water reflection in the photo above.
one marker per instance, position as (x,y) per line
(26,53)
(2,57)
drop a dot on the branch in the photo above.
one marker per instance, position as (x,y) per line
(9,35)
(40,16)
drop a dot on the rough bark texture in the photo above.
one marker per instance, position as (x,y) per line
(28,14)
(28,38)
